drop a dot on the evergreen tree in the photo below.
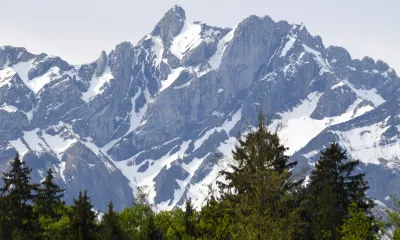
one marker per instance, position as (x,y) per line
(189,215)
(83,219)
(49,198)
(150,230)
(110,228)
(333,187)
(58,228)
(260,153)
(17,196)
(5,227)
(258,190)
(302,205)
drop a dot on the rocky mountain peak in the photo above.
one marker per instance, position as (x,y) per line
(166,112)
(10,55)
(340,55)
(101,63)
(170,25)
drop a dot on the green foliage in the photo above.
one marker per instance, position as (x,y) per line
(140,221)
(333,186)
(358,226)
(171,224)
(394,219)
(254,159)
(49,198)
(17,216)
(110,227)
(150,230)
(216,220)
(189,219)
(82,218)
(4,219)
(259,194)
(57,228)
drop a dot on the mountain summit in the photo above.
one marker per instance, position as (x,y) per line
(166,112)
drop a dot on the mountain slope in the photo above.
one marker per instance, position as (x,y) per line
(166,112)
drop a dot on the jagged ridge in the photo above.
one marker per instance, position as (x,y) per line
(166,112)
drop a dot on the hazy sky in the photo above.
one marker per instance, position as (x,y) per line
(77,30)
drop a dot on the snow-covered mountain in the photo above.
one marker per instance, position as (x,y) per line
(166,112)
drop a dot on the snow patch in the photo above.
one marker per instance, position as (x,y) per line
(364,143)
(5,76)
(35,143)
(8,108)
(136,117)
(22,69)
(311,154)
(318,57)
(38,83)
(97,84)
(187,84)
(19,146)
(58,144)
(35,84)
(228,146)
(288,46)
(297,128)
(198,192)
(29,114)
(227,126)
(187,39)
(371,95)
(340,84)
(218,114)
(146,178)
(158,49)
(171,78)
(31,141)
(216,59)
(62,169)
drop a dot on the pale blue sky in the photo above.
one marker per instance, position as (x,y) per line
(77,30)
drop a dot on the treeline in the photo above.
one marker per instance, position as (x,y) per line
(258,199)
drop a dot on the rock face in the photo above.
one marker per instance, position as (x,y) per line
(170,25)
(103,181)
(166,112)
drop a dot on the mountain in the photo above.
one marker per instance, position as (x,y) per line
(165,113)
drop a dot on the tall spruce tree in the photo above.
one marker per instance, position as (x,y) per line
(260,153)
(259,190)
(189,221)
(49,198)
(83,219)
(17,196)
(110,228)
(150,230)
(334,186)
